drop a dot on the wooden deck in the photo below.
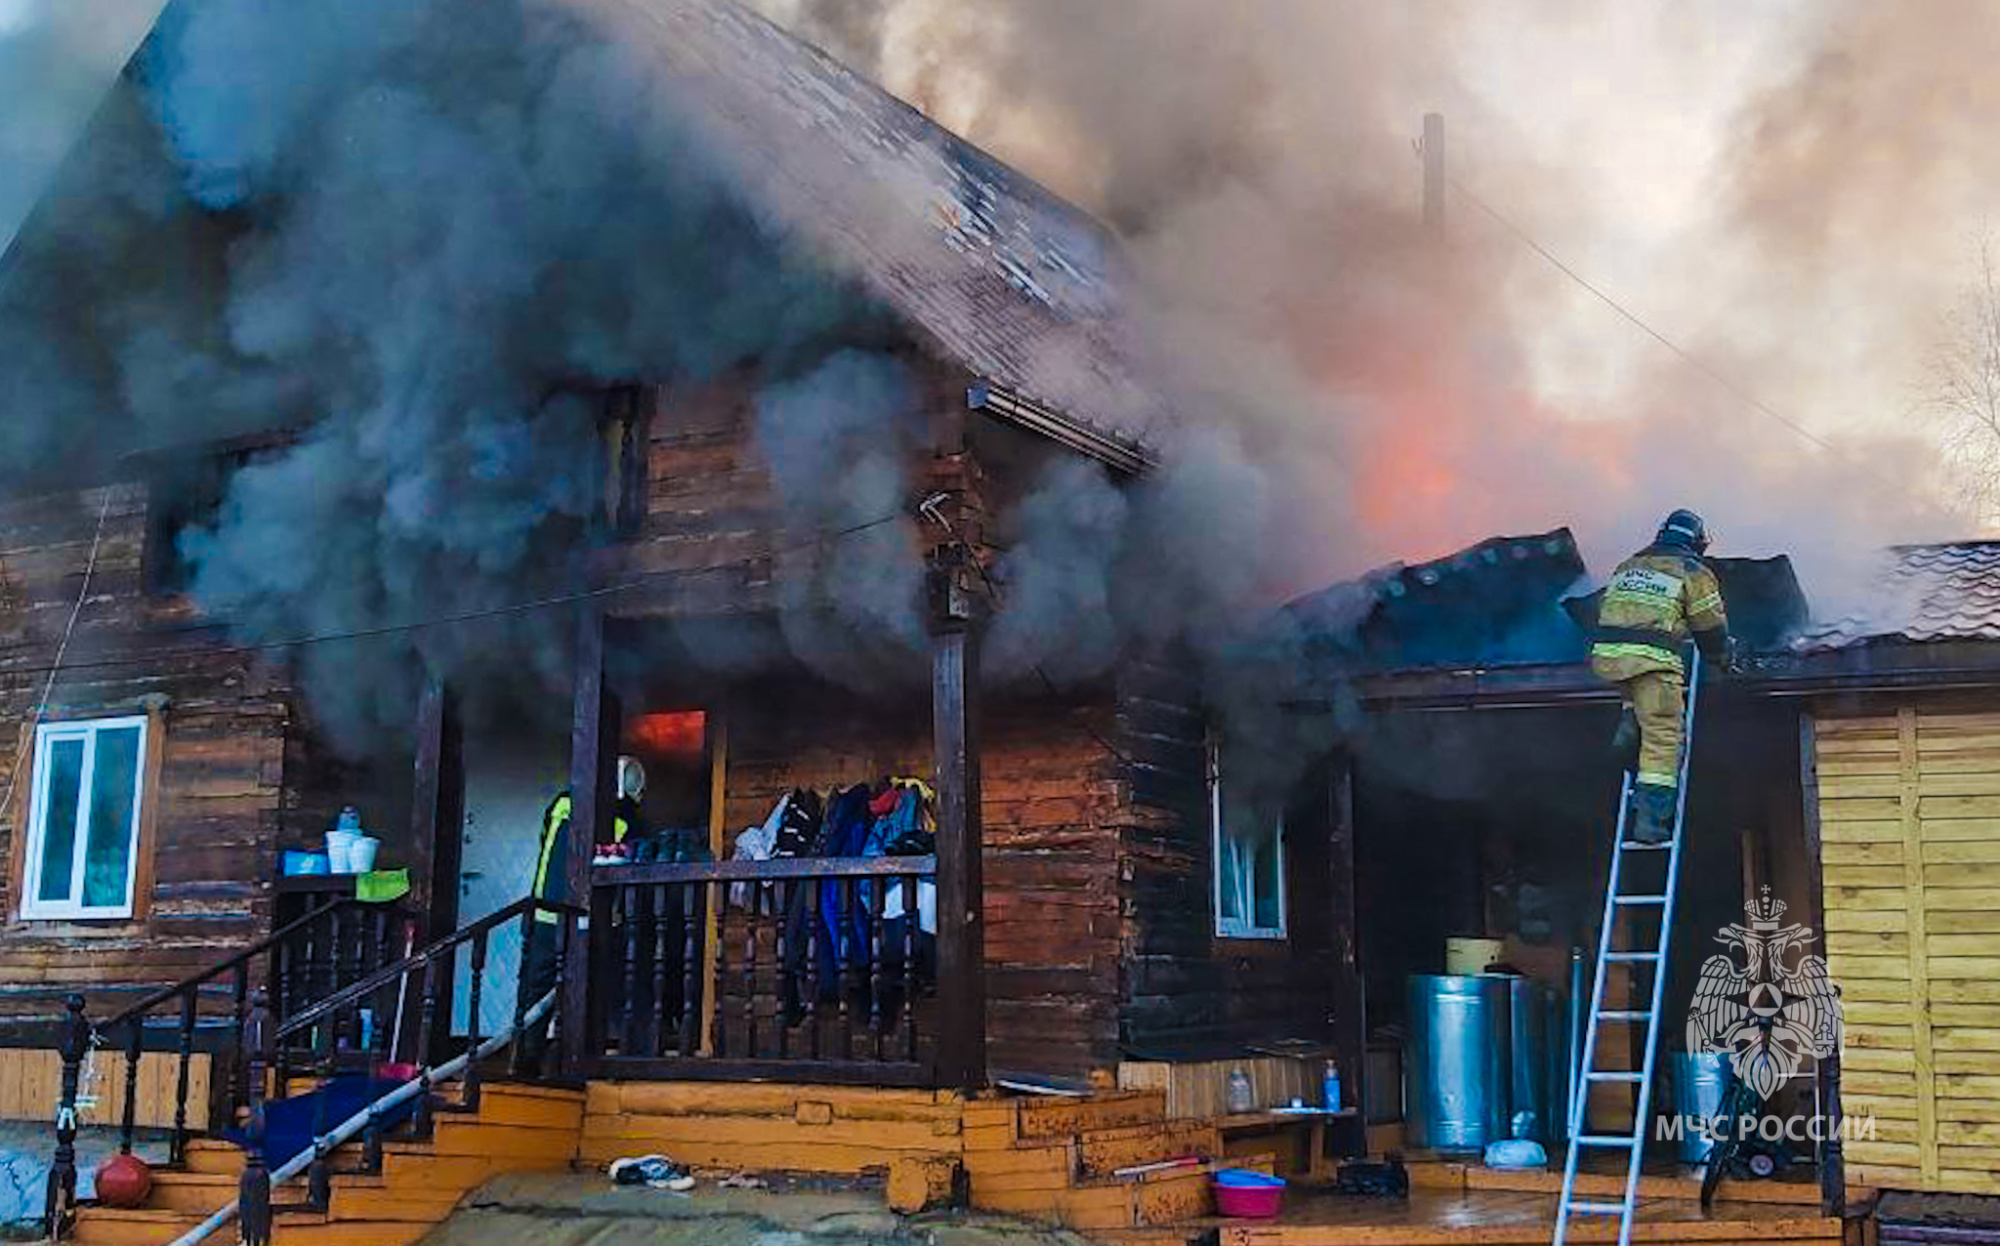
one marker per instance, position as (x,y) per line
(1458,1217)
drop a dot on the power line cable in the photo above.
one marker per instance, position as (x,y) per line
(1693,361)
(443,620)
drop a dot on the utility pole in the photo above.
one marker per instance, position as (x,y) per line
(1433,153)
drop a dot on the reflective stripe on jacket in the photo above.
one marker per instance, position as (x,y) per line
(1656,598)
(552,884)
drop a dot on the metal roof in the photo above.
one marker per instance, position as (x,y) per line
(1929,592)
(1022,288)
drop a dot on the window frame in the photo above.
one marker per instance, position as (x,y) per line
(72,907)
(1234,927)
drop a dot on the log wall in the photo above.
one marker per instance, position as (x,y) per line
(1184,991)
(216,796)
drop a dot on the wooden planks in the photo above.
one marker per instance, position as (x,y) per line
(30,1079)
(1910,811)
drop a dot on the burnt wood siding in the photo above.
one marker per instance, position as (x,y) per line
(1182,990)
(222,761)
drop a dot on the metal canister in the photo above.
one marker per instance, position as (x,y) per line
(1455,1071)
(1700,1081)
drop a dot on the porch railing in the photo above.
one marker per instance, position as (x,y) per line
(312,956)
(816,969)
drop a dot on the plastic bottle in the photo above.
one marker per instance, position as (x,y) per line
(1331,1086)
(1241,1098)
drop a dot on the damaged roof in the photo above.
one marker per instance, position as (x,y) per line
(1949,591)
(1024,289)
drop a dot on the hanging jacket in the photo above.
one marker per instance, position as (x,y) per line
(1655,600)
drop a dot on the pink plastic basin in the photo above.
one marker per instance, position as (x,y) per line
(1248,1195)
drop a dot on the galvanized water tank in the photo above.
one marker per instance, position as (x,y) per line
(1455,1072)
(1700,1079)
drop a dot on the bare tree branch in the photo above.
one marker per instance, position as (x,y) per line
(1963,386)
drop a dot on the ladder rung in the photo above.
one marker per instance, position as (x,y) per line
(1631,956)
(1623,1014)
(1613,1075)
(1639,899)
(1633,845)
(1604,1140)
(1598,1209)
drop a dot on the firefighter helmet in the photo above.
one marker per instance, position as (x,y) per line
(1684,527)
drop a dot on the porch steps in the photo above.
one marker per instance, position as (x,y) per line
(1059,1160)
(514,1128)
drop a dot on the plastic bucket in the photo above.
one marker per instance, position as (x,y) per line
(1248,1195)
(361,854)
(339,846)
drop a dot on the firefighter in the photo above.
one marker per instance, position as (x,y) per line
(551,882)
(1655,599)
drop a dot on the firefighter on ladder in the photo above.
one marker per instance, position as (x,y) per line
(1656,598)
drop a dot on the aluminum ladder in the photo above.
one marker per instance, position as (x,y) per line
(1588,1074)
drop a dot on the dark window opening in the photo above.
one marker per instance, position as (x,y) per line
(183,496)
(624,429)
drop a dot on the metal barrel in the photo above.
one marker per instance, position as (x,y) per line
(1455,1073)
(1700,1080)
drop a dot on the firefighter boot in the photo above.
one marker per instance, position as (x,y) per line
(1625,740)
(1653,810)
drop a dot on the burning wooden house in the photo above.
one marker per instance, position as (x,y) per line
(900,914)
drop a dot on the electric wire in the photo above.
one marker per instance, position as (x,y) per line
(641,580)
(1693,361)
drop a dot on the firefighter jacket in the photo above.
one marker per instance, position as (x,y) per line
(551,883)
(1656,598)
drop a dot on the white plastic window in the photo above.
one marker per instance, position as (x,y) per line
(83,827)
(1249,847)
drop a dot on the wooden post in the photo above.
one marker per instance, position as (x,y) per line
(73,1043)
(961,932)
(592,762)
(718,831)
(437,832)
(1832,1155)
(1350,1029)
(253,1190)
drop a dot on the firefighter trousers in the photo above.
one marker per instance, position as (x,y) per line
(1657,697)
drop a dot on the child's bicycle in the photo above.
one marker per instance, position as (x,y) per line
(1737,1148)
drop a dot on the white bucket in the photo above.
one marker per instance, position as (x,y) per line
(339,850)
(361,854)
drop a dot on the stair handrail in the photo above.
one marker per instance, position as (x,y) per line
(361,988)
(241,958)
(344,1132)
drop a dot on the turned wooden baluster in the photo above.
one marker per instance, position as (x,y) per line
(656,1021)
(253,1191)
(325,1062)
(718,901)
(844,949)
(553,1060)
(809,966)
(912,919)
(426,1042)
(628,1004)
(135,1044)
(73,1044)
(178,1147)
(788,986)
(690,965)
(478,975)
(750,975)
(517,1060)
(877,898)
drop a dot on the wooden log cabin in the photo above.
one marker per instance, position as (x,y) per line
(1096,913)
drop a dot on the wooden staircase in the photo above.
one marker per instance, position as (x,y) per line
(514,1127)
(1058,1160)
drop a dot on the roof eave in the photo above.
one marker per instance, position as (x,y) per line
(1018,409)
